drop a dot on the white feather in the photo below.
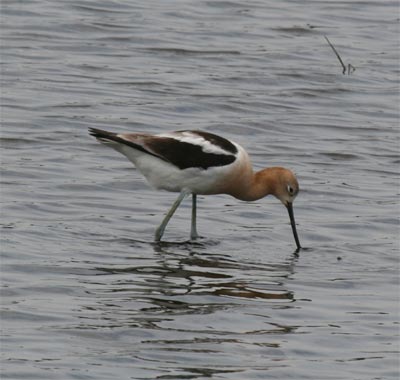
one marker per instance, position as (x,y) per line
(194,139)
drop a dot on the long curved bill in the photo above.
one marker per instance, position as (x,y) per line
(293,223)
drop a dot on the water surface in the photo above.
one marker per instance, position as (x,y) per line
(86,294)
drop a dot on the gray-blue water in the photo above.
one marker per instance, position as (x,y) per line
(86,294)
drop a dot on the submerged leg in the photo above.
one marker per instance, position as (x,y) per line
(193,229)
(161,228)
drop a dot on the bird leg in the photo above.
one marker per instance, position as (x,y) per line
(161,228)
(193,230)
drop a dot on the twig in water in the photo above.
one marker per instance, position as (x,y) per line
(350,66)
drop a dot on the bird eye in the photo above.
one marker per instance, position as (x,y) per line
(290,190)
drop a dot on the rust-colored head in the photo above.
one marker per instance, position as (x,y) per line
(284,185)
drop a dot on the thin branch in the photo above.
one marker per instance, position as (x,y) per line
(337,55)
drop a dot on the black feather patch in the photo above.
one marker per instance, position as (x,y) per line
(186,155)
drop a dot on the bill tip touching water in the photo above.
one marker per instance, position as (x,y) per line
(201,163)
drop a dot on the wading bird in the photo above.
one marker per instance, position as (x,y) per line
(197,162)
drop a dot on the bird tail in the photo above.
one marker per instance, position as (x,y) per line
(103,136)
(115,141)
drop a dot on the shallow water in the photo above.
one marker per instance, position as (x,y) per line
(86,294)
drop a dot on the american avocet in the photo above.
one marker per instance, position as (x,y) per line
(196,162)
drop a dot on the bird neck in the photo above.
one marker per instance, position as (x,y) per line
(261,184)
